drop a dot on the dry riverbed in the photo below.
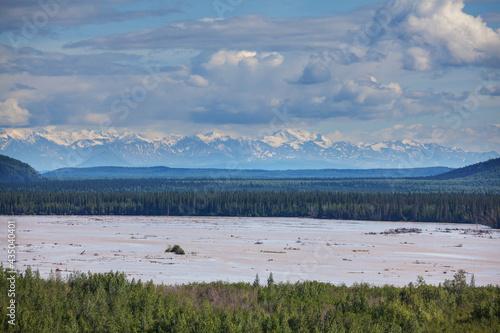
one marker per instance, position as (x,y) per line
(236,249)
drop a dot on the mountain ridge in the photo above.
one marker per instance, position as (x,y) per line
(479,171)
(114,172)
(12,170)
(285,149)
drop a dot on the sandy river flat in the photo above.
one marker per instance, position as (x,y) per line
(236,249)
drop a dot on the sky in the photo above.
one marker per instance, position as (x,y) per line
(359,71)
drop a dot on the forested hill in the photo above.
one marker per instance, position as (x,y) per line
(12,170)
(172,173)
(479,171)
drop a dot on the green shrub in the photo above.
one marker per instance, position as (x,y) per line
(175,249)
(109,302)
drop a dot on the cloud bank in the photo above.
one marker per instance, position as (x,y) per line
(400,63)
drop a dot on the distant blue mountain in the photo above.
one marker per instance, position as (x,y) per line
(165,172)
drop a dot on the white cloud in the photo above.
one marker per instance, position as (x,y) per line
(368,99)
(272,58)
(369,92)
(250,80)
(490,89)
(224,57)
(97,118)
(254,32)
(439,32)
(250,59)
(318,100)
(315,72)
(428,33)
(11,114)
(418,59)
(197,81)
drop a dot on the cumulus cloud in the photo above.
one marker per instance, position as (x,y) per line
(11,114)
(368,99)
(97,118)
(368,91)
(428,34)
(490,90)
(439,32)
(418,59)
(239,70)
(272,58)
(234,58)
(250,59)
(197,81)
(315,72)
(361,98)
(20,86)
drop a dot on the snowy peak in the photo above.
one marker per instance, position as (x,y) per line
(169,140)
(48,149)
(213,136)
(132,138)
(296,135)
(393,145)
(293,137)
(58,137)
(378,146)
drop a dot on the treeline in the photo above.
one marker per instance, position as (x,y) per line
(246,185)
(424,207)
(111,303)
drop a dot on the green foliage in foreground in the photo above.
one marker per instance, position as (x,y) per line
(110,303)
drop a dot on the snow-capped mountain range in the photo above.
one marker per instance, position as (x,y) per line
(46,149)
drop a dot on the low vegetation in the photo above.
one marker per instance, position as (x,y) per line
(111,303)
(175,249)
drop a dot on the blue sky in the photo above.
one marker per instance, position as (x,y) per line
(362,71)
